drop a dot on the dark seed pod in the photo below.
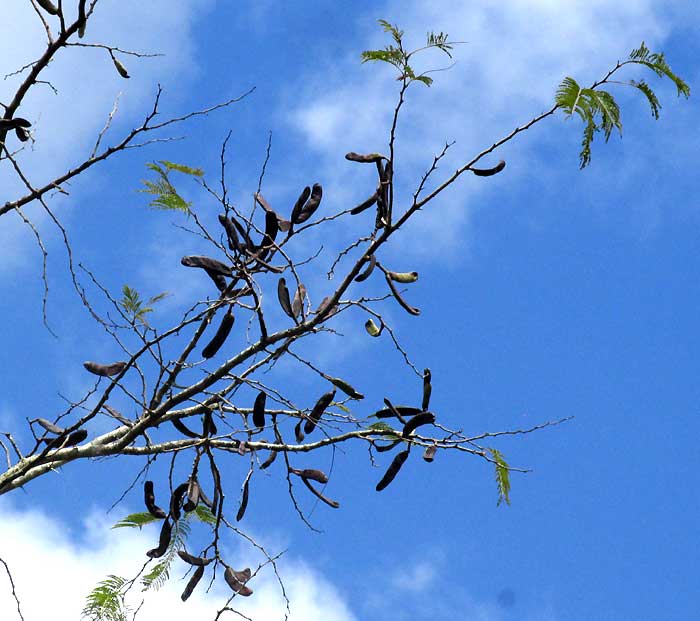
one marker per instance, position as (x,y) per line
(206,263)
(249,245)
(48,6)
(198,561)
(117,415)
(242,576)
(75,438)
(366,273)
(150,501)
(21,122)
(218,279)
(163,542)
(50,427)
(82,18)
(176,500)
(194,580)
(319,495)
(488,172)
(402,410)
(269,461)
(208,424)
(283,224)
(22,134)
(233,242)
(104,370)
(8,124)
(298,301)
(324,305)
(369,158)
(364,205)
(393,470)
(301,201)
(403,277)
(310,473)
(429,453)
(121,69)
(318,410)
(311,205)
(424,418)
(427,389)
(271,229)
(405,305)
(221,335)
(193,491)
(383,448)
(372,328)
(346,388)
(244,500)
(259,409)
(184,429)
(235,584)
(283,297)
(298,433)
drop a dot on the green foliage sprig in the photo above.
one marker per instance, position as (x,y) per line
(133,305)
(166,196)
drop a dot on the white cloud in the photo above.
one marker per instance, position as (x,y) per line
(53,570)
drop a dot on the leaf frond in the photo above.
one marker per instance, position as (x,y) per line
(136,520)
(502,476)
(106,601)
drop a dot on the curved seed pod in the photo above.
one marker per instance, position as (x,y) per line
(208,424)
(176,500)
(427,389)
(249,245)
(259,409)
(206,263)
(310,473)
(242,576)
(244,500)
(324,305)
(14,123)
(198,561)
(121,69)
(319,495)
(236,584)
(283,224)
(488,172)
(22,134)
(346,388)
(221,335)
(386,447)
(366,273)
(301,201)
(117,415)
(369,158)
(402,410)
(163,542)
(283,297)
(372,328)
(405,305)
(82,18)
(403,277)
(429,453)
(218,279)
(270,459)
(104,370)
(424,418)
(393,470)
(194,580)
(298,301)
(271,229)
(50,427)
(318,410)
(298,433)
(48,6)
(312,204)
(233,242)
(205,499)
(364,205)
(75,438)
(193,491)
(150,501)
(184,429)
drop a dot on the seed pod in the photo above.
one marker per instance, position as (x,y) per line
(319,495)
(150,501)
(429,453)
(298,301)
(402,410)
(372,328)
(206,263)
(424,418)
(301,201)
(346,388)
(198,561)
(121,69)
(196,577)
(310,473)
(184,429)
(268,462)
(369,158)
(403,277)
(386,447)
(104,370)
(236,584)
(176,500)
(259,409)
(427,389)
(393,470)
(221,334)
(208,425)
(232,237)
(48,6)
(75,438)
(324,305)
(116,415)
(243,575)
(318,410)
(193,491)
(405,305)
(366,204)
(271,229)
(14,123)
(311,205)
(365,274)
(283,297)
(218,280)
(50,427)
(298,433)
(22,134)
(82,18)
(163,542)
(283,224)
(488,172)
(244,501)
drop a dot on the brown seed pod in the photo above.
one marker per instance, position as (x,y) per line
(121,69)
(429,453)
(488,172)
(232,237)
(372,328)
(369,158)
(184,429)
(427,389)
(393,470)
(198,561)
(150,501)
(298,433)
(249,245)
(194,580)
(117,415)
(259,409)
(221,335)
(283,297)
(208,424)
(346,388)
(75,438)
(318,410)
(283,224)
(22,134)
(319,495)
(244,500)
(366,204)
(383,448)
(402,410)
(48,6)
(163,542)
(366,273)
(424,418)
(218,279)
(18,121)
(301,201)
(405,305)
(193,492)
(311,205)
(270,459)
(298,301)
(235,584)
(104,370)
(206,263)
(271,229)
(403,277)
(242,576)
(176,500)
(82,18)
(324,305)
(310,473)
(50,427)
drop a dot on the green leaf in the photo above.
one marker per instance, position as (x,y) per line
(136,520)
(649,94)
(380,426)
(166,196)
(204,514)
(657,63)
(195,172)
(106,601)
(502,476)
(132,304)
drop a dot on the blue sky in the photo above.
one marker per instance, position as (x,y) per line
(546,292)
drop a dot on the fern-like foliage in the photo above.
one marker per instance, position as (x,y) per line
(133,305)
(166,196)
(598,109)
(136,520)
(106,601)
(502,476)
